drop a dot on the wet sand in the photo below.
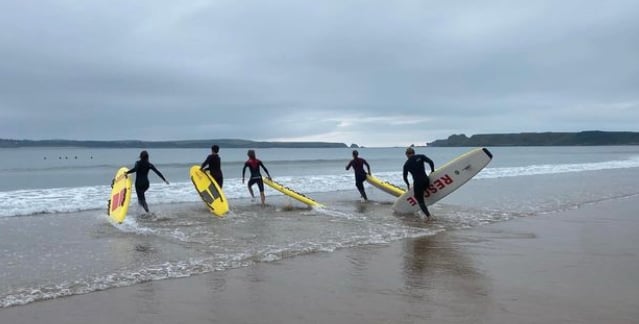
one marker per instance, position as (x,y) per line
(575,266)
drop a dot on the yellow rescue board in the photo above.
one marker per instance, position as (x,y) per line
(291,193)
(209,191)
(385,186)
(120,196)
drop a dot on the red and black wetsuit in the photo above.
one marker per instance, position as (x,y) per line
(141,170)
(213,164)
(415,165)
(360,175)
(256,177)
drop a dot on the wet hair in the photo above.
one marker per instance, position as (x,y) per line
(215,148)
(410,151)
(144,155)
(251,154)
(355,153)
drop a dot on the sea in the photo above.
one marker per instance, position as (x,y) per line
(56,241)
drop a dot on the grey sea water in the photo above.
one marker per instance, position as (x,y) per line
(56,241)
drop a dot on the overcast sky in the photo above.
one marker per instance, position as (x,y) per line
(375,73)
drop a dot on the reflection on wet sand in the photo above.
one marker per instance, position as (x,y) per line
(437,270)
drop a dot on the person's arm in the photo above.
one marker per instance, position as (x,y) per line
(158,173)
(135,169)
(244,171)
(263,167)
(406,176)
(348,166)
(367,166)
(205,163)
(431,163)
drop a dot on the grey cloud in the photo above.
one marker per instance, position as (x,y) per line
(291,69)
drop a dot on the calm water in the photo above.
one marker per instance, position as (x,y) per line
(56,240)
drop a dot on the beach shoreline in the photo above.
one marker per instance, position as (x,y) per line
(577,266)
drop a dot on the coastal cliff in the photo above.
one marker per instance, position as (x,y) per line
(542,139)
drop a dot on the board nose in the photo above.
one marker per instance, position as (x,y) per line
(487,152)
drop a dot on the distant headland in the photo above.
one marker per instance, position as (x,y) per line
(224,143)
(585,138)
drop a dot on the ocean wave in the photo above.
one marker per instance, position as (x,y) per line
(26,295)
(65,200)
(539,169)
(194,266)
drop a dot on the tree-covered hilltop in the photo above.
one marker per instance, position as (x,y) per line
(542,139)
(225,143)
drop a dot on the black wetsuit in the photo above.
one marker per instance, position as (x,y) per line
(141,170)
(360,175)
(213,164)
(256,176)
(415,165)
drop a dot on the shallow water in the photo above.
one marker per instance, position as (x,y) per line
(56,240)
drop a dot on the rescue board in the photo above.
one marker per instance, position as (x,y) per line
(385,186)
(291,193)
(120,197)
(210,192)
(446,179)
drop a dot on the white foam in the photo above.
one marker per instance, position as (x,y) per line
(64,200)
(218,262)
(538,169)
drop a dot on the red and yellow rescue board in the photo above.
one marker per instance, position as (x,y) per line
(120,199)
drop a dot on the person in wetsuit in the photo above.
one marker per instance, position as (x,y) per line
(213,165)
(141,170)
(415,165)
(360,175)
(253,164)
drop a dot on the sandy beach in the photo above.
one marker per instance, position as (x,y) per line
(575,266)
